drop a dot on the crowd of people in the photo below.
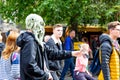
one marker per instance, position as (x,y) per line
(32,55)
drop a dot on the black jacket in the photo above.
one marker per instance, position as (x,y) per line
(32,57)
(106,50)
(54,65)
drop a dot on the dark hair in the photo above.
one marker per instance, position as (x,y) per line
(7,33)
(71,30)
(113,24)
(57,25)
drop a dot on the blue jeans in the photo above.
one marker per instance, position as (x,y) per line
(69,63)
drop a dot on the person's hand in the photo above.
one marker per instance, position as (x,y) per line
(76,53)
(50,77)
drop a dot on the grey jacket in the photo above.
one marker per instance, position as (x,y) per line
(106,50)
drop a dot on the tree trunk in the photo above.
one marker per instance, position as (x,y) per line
(74,26)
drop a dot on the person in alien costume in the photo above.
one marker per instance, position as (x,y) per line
(34,54)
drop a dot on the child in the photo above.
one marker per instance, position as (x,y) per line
(81,72)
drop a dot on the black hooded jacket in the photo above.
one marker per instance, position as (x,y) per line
(32,57)
(106,50)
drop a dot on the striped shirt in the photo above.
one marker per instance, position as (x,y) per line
(5,69)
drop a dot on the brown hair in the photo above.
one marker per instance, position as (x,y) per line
(10,45)
(113,24)
(57,25)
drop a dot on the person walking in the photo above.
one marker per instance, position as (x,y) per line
(55,42)
(68,63)
(34,54)
(5,59)
(110,56)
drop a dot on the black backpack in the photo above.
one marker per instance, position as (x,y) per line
(95,65)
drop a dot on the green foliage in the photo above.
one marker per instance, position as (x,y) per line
(17,10)
(70,12)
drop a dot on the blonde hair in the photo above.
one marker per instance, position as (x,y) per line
(84,47)
(10,45)
(57,25)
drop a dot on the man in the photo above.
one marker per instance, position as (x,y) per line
(69,63)
(110,57)
(34,54)
(56,44)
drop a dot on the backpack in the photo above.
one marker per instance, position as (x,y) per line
(95,65)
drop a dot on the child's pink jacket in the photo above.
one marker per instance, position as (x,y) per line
(81,63)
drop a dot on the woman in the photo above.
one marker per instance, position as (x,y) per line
(5,60)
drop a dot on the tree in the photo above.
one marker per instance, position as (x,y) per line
(69,12)
(17,10)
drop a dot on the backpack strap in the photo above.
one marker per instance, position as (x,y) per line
(100,52)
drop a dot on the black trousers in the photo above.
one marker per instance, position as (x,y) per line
(82,76)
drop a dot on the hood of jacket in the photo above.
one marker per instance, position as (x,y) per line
(25,37)
(105,38)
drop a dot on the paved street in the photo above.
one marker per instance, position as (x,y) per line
(68,78)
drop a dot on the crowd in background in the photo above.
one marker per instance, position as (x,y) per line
(32,55)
